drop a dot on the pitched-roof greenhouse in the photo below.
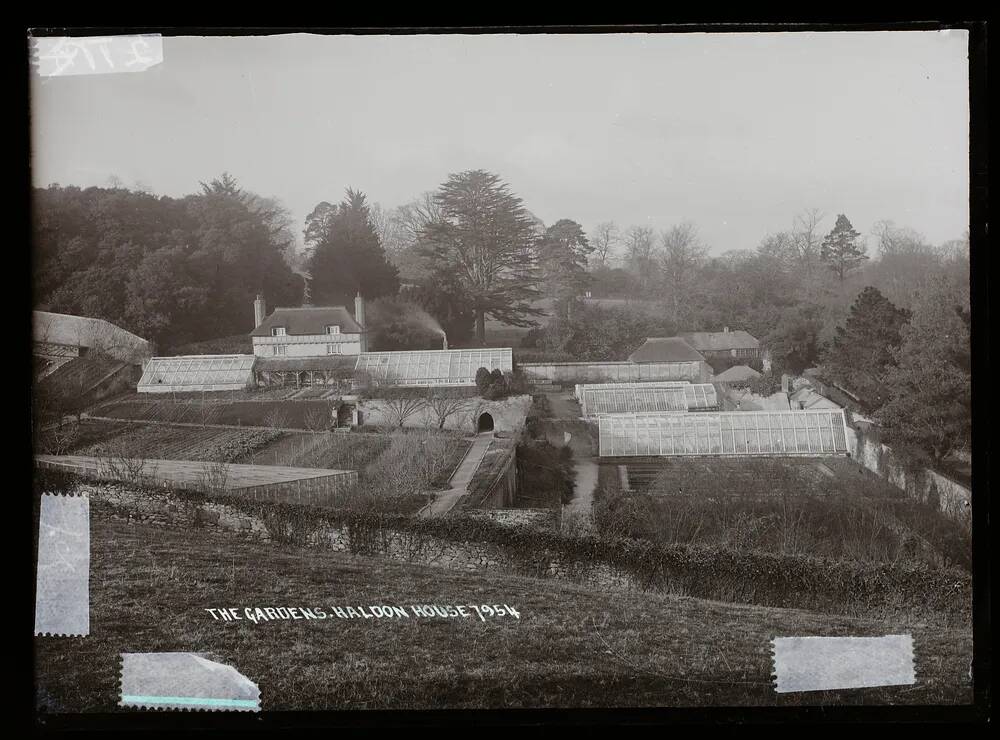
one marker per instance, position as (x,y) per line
(728,433)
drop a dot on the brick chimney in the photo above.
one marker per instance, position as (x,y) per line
(359,316)
(259,311)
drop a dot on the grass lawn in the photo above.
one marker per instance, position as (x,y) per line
(572,646)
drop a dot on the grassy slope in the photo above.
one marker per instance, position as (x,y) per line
(573,646)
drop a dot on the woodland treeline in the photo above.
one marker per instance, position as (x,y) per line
(890,323)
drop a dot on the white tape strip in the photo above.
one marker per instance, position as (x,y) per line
(62,593)
(185,681)
(824,663)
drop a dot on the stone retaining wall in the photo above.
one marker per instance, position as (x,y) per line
(162,509)
(920,484)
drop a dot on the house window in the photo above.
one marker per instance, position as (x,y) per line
(333,329)
(333,349)
(278,331)
(278,349)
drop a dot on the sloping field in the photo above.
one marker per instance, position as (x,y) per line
(571,646)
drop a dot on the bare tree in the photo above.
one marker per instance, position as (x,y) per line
(276,418)
(808,240)
(779,250)
(682,254)
(899,240)
(444,406)
(117,460)
(318,419)
(603,240)
(398,405)
(389,228)
(640,249)
(411,218)
(214,477)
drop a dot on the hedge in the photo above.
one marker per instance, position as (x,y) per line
(723,574)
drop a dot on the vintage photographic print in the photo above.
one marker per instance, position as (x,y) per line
(618,370)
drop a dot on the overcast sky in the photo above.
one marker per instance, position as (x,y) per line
(735,132)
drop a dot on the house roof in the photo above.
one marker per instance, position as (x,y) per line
(308,320)
(736,374)
(666,349)
(720,341)
(810,399)
(84,331)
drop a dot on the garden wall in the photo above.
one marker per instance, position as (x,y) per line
(315,490)
(508,415)
(920,484)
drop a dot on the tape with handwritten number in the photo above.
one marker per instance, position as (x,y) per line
(63,56)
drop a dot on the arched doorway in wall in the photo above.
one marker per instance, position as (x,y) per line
(485,423)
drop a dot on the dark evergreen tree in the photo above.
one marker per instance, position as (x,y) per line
(485,239)
(863,349)
(563,254)
(348,257)
(930,385)
(841,250)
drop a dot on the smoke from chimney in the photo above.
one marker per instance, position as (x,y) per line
(259,311)
(359,316)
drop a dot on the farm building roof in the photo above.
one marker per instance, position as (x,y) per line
(308,320)
(666,349)
(810,399)
(433,367)
(720,341)
(84,331)
(737,374)
(299,364)
(196,373)
(752,402)
(727,433)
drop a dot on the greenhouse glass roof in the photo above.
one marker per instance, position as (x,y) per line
(581,387)
(196,373)
(647,397)
(730,433)
(632,400)
(433,367)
